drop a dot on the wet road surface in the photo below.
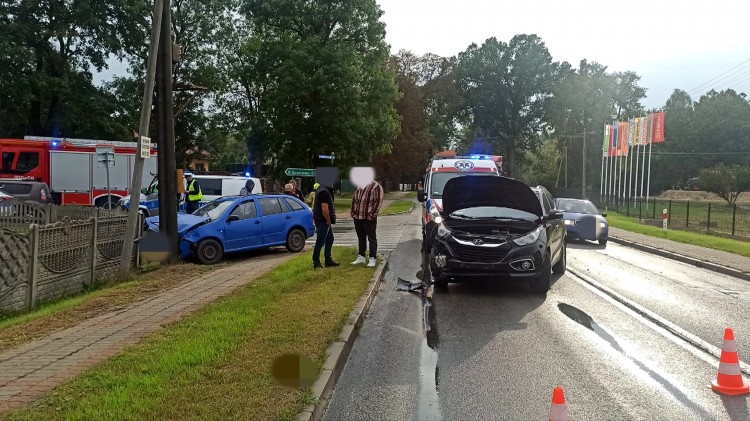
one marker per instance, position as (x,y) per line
(495,352)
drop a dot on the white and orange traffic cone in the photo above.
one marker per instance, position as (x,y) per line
(730,380)
(557,411)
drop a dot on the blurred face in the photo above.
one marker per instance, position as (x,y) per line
(362,176)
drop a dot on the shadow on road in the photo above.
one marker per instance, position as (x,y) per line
(585,245)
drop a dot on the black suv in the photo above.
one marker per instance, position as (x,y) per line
(498,227)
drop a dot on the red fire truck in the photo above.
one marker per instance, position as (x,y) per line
(72,168)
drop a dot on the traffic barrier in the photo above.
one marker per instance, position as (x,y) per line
(730,380)
(557,411)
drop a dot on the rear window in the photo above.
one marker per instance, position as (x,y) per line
(270,206)
(15,189)
(295,205)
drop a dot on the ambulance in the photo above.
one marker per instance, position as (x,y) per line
(437,175)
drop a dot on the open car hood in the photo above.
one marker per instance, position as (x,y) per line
(470,192)
(184,222)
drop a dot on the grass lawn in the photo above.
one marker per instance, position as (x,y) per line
(695,215)
(704,240)
(395,195)
(216,363)
(398,206)
(343,203)
(18,329)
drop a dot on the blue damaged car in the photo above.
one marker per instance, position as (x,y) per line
(238,223)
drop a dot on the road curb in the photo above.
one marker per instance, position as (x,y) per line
(684,259)
(339,351)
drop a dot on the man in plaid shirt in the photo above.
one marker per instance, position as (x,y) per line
(366,205)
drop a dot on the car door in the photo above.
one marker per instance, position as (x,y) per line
(275,220)
(243,228)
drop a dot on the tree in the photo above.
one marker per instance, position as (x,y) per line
(726,181)
(543,165)
(507,88)
(411,149)
(587,98)
(48,51)
(327,86)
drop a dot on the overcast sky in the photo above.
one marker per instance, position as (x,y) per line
(669,43)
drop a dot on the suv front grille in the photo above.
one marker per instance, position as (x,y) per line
(478,254)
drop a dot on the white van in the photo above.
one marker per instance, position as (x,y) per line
(216,186)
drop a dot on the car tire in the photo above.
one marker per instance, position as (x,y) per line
(295,241)
(209,251)
(602,241)
(559,267)
(440,282)
(543,282)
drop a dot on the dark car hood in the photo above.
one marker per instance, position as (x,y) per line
(184,222)
(469,192)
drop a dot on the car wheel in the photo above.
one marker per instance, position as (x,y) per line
(209,251)
(543,282)
(295,241)
(440,282)
(559,267)
(602,241)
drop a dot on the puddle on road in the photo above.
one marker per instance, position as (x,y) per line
(428,407)
(588,322)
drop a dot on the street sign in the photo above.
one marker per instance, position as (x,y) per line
(105,156)
(326,156)
(300,172)
(145,147)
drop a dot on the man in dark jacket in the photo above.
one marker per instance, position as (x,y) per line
(324,216)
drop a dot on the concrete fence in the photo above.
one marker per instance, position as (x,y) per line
(42,262)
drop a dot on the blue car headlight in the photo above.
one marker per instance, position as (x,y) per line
(529,238)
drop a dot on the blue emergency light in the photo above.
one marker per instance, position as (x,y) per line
(55,143)
(247,174)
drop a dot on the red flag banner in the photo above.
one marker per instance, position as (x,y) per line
(658,127)
(612,150)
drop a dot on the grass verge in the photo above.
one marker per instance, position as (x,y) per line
(703,240)
(216,363)
(395,195)
(398,206)
(18,329)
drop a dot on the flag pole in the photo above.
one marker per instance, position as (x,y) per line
(648,183)
(637,162)
(643,170)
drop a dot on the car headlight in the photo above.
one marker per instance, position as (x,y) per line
(529,238)
(568,222)
(435,215)
(443,231)
(603,224)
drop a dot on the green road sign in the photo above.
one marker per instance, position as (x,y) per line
(300,172)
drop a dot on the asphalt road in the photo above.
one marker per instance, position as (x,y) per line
(495,352)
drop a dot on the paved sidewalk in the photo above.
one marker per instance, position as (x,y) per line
(30,371)
(734,264)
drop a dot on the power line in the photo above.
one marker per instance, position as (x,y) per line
(739,79)
(702,85)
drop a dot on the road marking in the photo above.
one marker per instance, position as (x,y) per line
(657,323)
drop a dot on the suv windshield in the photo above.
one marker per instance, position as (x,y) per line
(440,179)
(578,206)
(482,212)
(214,209)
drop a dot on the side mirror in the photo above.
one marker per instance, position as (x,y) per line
(604,214)
(233,218)
(421,196)
(554,215)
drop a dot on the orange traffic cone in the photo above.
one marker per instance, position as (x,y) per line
(557,411)
(729,380)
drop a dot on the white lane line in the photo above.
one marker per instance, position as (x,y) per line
(657,323)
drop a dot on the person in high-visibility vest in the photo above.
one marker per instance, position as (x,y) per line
(194,194)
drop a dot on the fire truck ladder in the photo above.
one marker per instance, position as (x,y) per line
(84,142)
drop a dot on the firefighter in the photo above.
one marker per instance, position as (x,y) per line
(194,194)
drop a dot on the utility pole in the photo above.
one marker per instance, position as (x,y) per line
(148,96)
(583,178)
(167,165)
